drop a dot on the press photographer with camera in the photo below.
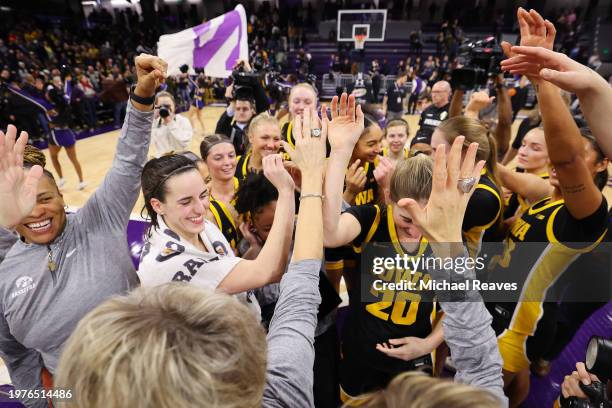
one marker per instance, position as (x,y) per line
(588,386)
(247,98)
(170,132)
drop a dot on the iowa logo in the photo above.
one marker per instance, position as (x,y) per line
(23,282)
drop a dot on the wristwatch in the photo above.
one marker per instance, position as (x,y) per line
(143,101)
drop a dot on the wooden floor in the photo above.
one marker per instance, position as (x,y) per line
(96,155)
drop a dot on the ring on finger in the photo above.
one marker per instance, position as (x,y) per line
(466,184)
(315,132)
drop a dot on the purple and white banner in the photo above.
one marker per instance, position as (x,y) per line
(215,45)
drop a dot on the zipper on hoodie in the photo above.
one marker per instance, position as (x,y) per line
(51,265)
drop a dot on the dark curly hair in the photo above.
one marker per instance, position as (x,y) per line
(254,194)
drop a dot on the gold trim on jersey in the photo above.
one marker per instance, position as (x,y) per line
(550,234)
(474,235)
(217,216)
(533,210)
(371,231)
(334,265)
(385,152)
(236,186)
(290,135)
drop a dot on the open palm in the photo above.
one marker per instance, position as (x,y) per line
(346,124)
(442,217)
(18,187)
(535,31)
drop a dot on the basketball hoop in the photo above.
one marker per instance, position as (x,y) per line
(360,40)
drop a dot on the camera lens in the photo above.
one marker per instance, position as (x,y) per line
(164,112)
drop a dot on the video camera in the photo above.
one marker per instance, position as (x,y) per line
(598,362)
(244,82)
(480,60)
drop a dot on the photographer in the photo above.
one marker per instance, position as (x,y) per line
(170,132)
(248,98)
(584,389)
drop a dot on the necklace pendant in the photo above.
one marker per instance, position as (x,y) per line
(52,266)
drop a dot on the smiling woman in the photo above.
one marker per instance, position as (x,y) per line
(62,257)
(182,245)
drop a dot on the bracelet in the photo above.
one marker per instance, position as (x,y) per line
(321,196)
(140,99)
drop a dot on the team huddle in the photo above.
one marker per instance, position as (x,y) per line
(251,243)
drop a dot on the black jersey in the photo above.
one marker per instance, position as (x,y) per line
(242,167)
(397,313)
(225,222)
(483,214)
(563,238)
(369,194)
(287,133)
(430,119)
(516,203)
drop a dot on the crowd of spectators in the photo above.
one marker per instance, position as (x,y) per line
(98,55)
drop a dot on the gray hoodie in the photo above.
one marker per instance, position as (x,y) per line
(40,309)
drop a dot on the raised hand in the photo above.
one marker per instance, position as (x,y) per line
(310,148)
(18,186)
(535,31)
(274,171)
(347,123)
(441,219)
(151,71)
(478,101)
(406,348)
(554,67)
(383,171)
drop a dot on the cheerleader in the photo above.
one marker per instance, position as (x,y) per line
(196,109)
(61,134)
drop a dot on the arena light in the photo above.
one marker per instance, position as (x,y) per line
(89,3)
(123,3)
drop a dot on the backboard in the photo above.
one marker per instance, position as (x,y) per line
(372,23)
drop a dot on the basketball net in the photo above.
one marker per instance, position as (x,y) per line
(359,41)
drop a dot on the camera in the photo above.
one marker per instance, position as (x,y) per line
(244,82)
(480,60)
(164,111)
(599,362)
